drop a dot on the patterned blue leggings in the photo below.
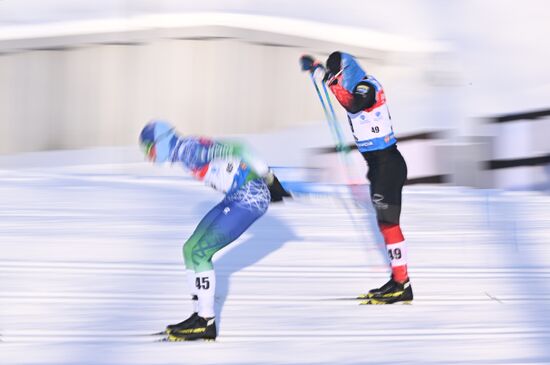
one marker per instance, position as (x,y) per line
(225,223)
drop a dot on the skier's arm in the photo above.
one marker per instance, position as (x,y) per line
(363,96)
(260,168)
(228,149)
(196,153)
(192,152)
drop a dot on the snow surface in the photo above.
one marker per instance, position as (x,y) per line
(91,264)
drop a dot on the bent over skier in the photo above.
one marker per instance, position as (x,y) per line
(248,185)
(363,97)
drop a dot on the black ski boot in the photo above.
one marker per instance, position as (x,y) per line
(389,293)
(183,324)
(198,329)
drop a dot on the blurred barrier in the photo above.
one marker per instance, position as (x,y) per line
(520,150)
(425,163)
(514,153)
(511,152)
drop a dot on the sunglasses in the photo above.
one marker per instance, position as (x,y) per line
(149,150)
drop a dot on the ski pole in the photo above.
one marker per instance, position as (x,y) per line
(336,125)
(341,148)
(327,115)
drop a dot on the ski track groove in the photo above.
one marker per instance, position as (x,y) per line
(291,335)
(87,298)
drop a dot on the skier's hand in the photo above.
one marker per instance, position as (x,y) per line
(307,63)
(330,78)
(316,68)
(333,68)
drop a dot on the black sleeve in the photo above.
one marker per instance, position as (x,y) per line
(364,96)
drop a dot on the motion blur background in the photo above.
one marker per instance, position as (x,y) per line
(467,81)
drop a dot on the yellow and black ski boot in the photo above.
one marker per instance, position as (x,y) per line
(183,324)
(198,329)
(389,293)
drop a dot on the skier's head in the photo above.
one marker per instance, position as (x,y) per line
(157,140)
(344,68)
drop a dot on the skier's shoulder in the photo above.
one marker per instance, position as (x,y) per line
(365,87)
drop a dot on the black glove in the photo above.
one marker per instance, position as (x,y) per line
(334,64)
(329,78)
(276,189)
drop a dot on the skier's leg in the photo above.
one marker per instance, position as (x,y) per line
(199,231)
(387,180)
(238,212)
(224,230)
(189,266)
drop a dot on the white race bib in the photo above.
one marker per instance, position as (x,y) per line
(371,125)
(221,174)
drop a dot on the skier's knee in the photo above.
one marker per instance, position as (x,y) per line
(201,261)
(387,220)
(388,214)
(188,248)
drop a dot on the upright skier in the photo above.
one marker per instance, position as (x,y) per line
(248,185)
(362,96)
